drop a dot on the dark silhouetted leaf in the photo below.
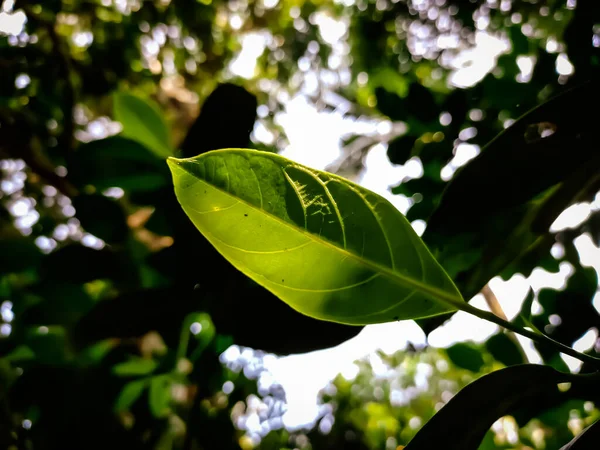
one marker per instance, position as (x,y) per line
(117,162)
(466,356)
(551,141)
(587,439)
(463,422)
(419,104)
(399,149)
(390,104)
(225,121)
(505,349)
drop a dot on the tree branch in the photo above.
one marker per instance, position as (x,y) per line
(495,307)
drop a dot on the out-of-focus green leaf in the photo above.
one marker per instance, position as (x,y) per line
(466,356)
(400,149)
(319,242)
(463,422)
(142,122)
(117,162)
(202,328)
(22,352)
(130,393)
(102,217)
(135,367)
(587,440)
(62,303)
(419,104)
(49,344)
(95,353)
(160,395)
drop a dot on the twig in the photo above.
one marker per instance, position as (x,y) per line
(495,307)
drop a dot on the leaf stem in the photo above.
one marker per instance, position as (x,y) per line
(536,337)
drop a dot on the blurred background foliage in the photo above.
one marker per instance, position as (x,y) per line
(122,326)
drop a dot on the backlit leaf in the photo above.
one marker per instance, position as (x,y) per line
(327,247)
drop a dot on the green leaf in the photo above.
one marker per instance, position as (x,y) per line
(63,304)
(135,366)
(95,353)
(419,104)
(588,439)
(49,344)
(466,356)
(327,247)
(129,394)
(117,162)
(504,349)
(142,122)
(201,327)
(160,395)
(539,150)
(463,422)
(21,353)
(523,319)
(551,158)
(400,149)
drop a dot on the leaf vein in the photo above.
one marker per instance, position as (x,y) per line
(259,252)
(197,211)
(257,183)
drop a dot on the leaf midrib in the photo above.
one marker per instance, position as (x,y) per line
(437,294)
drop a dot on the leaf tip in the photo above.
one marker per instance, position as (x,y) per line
(173,162)
(175,165)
